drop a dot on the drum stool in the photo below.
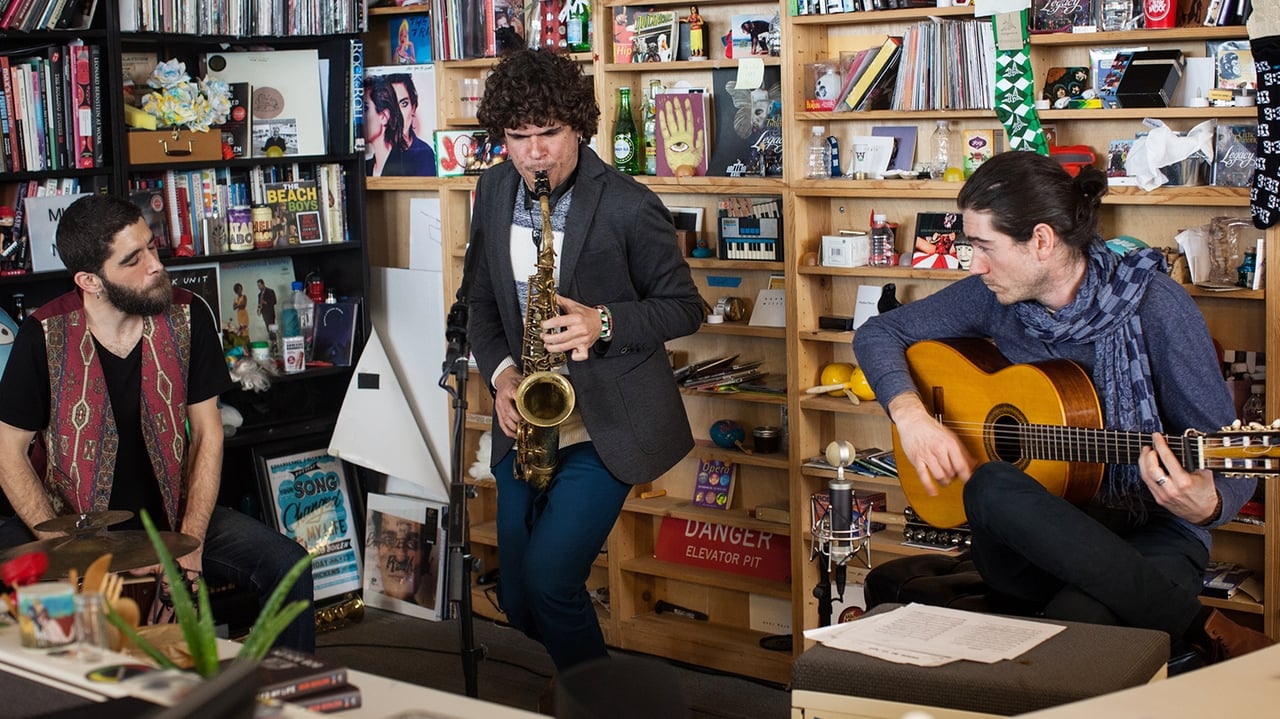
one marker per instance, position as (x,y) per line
(1084,660)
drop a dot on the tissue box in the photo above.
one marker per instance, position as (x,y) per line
(1150,79)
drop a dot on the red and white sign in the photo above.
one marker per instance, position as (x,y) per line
(752,552)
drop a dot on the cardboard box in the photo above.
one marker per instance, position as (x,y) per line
(1151,79)
(156,147)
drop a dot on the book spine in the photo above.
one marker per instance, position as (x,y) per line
(84,119)
(307,685)
(11,145)
(57,101)
(95,80)
(357,96)
(334,701)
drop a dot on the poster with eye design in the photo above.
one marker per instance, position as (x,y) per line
(404,555)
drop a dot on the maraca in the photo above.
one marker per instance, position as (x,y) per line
(842,378)
(728,434)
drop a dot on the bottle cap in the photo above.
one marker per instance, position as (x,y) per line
(1257,388)
(819,129)
(297,284)
(879,217)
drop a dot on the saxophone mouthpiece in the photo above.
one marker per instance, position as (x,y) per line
(541,184)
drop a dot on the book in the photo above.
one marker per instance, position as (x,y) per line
(937,234)
(286,673)
(152,204)
(335,332)
(466,152)
(1064,83)
(1235,68)
(888,52)
(1235,147)
(235,131)
(355,132)
(82,116)
(1049,16)
(750,228)
(748,124)
(1109,82)
(657,35)
(332,700)
(681,119)
(713,486)
(822,92)
(409,39)
(1223,579)
(295,207)
(904,144)
(405,555)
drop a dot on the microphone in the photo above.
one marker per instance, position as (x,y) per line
(455,333)
(841,513)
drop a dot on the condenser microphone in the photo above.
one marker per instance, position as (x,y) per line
(840,491)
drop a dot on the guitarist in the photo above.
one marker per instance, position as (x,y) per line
(1045,286)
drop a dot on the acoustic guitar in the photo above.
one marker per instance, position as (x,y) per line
(1046,419)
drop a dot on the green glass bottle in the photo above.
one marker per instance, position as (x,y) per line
(578,29)
(650,122)
(626,141)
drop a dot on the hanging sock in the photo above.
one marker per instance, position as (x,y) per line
(1015,88)
(1264,37)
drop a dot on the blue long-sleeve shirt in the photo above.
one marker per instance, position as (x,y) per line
(1189,387)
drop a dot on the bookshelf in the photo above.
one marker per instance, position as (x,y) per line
(811,208)
(299,404)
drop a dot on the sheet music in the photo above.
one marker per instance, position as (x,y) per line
(932,636)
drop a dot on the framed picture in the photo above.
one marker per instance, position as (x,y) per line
(202,281)
(263,287)
(405,553)
(307,496)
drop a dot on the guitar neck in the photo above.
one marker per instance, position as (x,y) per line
(1097,446)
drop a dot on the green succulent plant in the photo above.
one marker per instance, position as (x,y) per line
(197,626)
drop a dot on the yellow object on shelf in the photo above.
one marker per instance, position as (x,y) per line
(136,117)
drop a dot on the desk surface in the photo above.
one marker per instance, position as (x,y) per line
(381,698)
(1233,688)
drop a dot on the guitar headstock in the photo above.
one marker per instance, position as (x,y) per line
(1240,450)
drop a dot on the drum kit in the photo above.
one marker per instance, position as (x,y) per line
(86,539)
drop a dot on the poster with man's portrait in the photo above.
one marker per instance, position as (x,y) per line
(404,555)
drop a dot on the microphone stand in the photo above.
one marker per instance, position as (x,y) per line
(461,561)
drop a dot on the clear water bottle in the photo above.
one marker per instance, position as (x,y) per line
(819,155)
(305,309)
(883,253)
(942,143)
(1118,15)
(1255,408)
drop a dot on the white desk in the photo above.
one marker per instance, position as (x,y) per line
(381,698)
(1238,688)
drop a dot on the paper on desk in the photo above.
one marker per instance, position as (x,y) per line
(931,636)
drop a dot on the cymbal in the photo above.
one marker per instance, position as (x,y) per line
(84,523)
(130,549)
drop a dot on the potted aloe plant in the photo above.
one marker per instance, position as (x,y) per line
(197,626)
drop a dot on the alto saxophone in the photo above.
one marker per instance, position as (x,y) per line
(544,398)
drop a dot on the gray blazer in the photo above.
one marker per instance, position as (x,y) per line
(619,250)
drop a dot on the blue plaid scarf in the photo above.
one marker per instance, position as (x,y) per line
(1105,312)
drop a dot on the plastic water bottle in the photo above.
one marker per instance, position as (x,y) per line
(819,155)
(942,143)
(883,253)
(305,312)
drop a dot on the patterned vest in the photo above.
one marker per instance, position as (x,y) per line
(81,439)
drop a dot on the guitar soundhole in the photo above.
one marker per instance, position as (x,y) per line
(1003,438)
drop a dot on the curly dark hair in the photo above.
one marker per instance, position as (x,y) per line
(89,226)
(538,87)
(1023,189)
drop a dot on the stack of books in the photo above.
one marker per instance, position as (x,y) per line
(307,681)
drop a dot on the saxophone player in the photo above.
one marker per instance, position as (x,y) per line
(622,289)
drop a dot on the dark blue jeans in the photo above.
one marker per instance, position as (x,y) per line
(237,549)
(1097,567)
(546,544)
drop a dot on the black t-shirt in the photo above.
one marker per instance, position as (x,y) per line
(24,402)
